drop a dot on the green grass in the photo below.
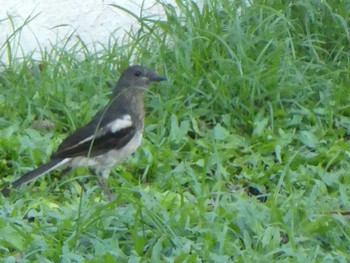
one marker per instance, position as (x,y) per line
(256,102)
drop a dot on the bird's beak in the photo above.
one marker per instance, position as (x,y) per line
(156,77)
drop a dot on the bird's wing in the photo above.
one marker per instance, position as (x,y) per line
(97,137)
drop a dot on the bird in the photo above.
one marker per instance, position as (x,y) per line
(112,135)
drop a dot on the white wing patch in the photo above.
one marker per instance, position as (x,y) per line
(120,124)
(114,126)
(85,140)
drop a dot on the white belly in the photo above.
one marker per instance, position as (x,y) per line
(102,164)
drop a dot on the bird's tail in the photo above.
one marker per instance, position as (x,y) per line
(45,168)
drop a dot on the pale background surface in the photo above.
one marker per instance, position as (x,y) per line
(93,20)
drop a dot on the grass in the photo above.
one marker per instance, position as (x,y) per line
(245,156)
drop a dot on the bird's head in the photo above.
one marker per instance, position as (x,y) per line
(138,76)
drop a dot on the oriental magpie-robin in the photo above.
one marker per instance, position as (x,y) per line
(113,134)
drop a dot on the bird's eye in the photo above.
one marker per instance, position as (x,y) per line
(138,73)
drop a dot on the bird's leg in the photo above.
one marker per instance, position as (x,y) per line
(105,187)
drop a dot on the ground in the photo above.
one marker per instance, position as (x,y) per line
(245,156)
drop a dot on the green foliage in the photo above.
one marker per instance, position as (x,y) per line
(245,156)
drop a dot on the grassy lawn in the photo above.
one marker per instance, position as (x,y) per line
(245,156)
